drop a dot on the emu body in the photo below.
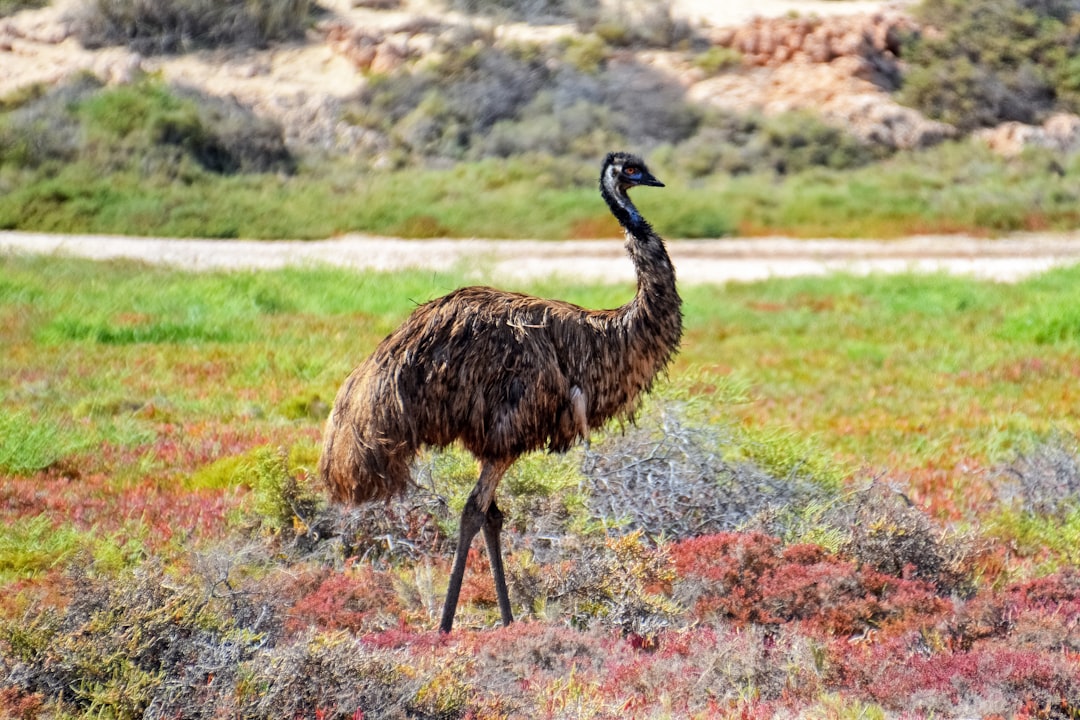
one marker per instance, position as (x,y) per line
(504,374)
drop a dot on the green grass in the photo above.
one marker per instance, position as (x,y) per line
(29,444)
(32,545)
(894,371)
(948,189)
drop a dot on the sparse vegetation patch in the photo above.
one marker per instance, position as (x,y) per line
(989,61)
(168,26)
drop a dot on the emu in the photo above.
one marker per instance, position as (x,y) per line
(504,374)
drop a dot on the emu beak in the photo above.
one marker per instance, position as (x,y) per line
(648,179)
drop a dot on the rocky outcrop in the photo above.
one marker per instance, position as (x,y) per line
(835,90)
(377,51)
(872,41)
(839,67)
(1059,132)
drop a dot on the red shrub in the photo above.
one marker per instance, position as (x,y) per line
(1042,614)
(902,674)
(360,599)
(1055,593)
(18,705)
(477,587)
(750,578)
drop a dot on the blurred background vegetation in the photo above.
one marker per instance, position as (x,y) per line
(482,122)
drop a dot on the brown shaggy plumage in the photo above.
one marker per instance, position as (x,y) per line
(505,373)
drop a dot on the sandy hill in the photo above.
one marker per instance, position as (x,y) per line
(834,57)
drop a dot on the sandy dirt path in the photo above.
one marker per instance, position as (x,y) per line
(697,261)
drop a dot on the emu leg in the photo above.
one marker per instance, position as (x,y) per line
(476,515)
(472,519)
(492,534)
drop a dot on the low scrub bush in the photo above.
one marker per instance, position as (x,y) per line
(529,10)
(1045,480)
(648,23)
(119,643)
(168,26)
(736,144)
(148,126)
(641,23)
(673,480)
(1041,493)
(990,61)
(484,100)
(622,583)
(885,531)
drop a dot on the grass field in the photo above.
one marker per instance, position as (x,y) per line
(869,506)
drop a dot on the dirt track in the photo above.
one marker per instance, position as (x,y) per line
(697,261)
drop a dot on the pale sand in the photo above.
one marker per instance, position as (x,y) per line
(697,261)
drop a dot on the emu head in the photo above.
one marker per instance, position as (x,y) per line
(623,171)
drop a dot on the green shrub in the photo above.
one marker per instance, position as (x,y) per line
(483,100)
(284,502)
(718,58)
(648,23)
(624,23)
(518,9)
(148,126)
(165,26)
(10,7)
(990,61)
(785,144)
(40,129)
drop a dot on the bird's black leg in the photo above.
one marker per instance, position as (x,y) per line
(493,523)
(480,512)
(472,519)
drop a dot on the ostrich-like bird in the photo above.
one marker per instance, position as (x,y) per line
(504,373)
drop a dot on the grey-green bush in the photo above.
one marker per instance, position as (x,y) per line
(167,26)
(148,124)
(991,61)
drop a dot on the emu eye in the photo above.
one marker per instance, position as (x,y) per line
(630,170)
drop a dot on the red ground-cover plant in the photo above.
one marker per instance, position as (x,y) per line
(904,674)
(706,670)
(361,599)
(752,578)
(477,588)
(183,448)
(952,487)
(1041,614)
(94,502)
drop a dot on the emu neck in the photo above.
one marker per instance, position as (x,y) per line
(655,273)
(656,308)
